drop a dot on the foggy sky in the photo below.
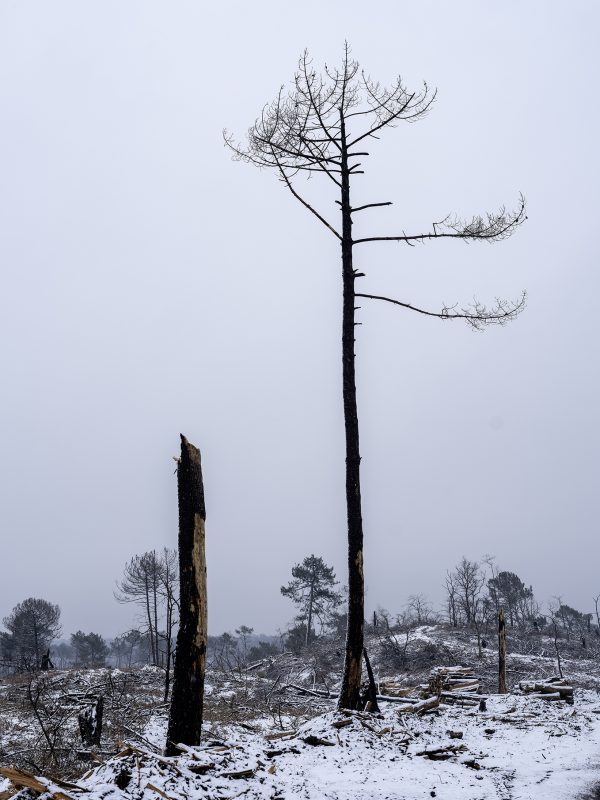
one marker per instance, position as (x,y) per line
(151,286)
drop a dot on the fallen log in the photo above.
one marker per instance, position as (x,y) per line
(442,753)
(448,703)
(316,741)
(547,696)
(471,686)
(548,690)
(342,723)
(262,663)
(200,769)
(393,699)
(465,696)
(420,708)
(154,788)
(563,688)
(303,690)
(279,735)
(238,774)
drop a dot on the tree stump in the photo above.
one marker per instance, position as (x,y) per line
(90,723)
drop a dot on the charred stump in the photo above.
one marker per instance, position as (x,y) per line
(185,717)
(47,661)
(90,723)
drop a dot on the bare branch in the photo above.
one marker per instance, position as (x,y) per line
(288,183)
(494,228)
(370,205)
(477,315)
(390,106)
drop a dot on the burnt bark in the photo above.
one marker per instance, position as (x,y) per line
(371,697)
(501,653)
(185,717)
(90,723)
(351,679)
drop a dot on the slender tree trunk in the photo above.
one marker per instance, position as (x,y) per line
(560,672)
(155,601)
(310,609)
(168,656)
(169,633)
(149,615)
(501,653)
(350,689)
(36,645)
(185,718)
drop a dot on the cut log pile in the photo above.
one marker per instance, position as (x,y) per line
(447,685)
(550,689)
(392,688)
(453,680)
(454,686)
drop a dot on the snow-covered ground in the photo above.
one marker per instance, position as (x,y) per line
(262,741)
(519,749)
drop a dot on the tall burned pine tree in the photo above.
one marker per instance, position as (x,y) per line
(319,127)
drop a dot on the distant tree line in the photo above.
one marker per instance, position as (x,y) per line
(474,592)
(149,581)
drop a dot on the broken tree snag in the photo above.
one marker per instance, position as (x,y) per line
(185,717)
(90,723)
(371,695)
(501,653)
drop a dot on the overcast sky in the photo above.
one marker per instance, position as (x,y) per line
(151,286)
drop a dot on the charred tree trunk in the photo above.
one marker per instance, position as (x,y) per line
(501,653)
(90,723)
(185,718)
(350,689)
